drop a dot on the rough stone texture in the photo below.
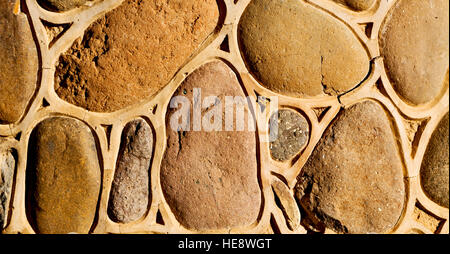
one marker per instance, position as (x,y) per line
(62,5)
(130,188)
(287,47)
(132,52)
(291,135)
(288,204)
(209,179)
(357,5)
(63,177)
(434,173)
(353,181)
(7,166)
(18,65)
(414,44)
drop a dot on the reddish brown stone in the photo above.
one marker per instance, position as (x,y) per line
(356,5)
(18,65)
(210,179)
(132,52)
(62,5)
(414,45)
(63,177)
(353,181)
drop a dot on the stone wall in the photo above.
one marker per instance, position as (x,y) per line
(362,102)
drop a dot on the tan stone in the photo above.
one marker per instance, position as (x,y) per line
(18,65)
(288,204)
(63,177)
(130,189)
(210,179)
(287,46)
(356,5)
(414,45)
(132,52)
(434,173)
(353,181)
(290,134)
(62,5)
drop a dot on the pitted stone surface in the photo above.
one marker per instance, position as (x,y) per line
(130,188)
(132,52)
(62,5)
(63,177)
(414,45)
(210,179)
(18,65)
(7,166)
(353,181)
(287,47)
(434,173)
(357,5)
(290,134)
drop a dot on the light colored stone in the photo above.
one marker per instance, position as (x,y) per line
(63,177)
(288,204)
(7,166)
(62,5)
(356,5)
(210,179)
(18,65)
(414,45)
(133,52)
(291,134)
(353,181)
(434,173)
(130,188)
(299,50)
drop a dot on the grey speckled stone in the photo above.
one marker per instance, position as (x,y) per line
(353,181)
(434,173)
(7,165)
(291,134)
(130,188)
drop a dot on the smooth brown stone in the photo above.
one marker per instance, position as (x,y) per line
(414,45)
(356,5)
(132,52)
(353,181)
(62,5)
(298,50)
(291,135)
(130,189)
(210,179)
(434,173)
(18,65)
(7,166)
(63,177)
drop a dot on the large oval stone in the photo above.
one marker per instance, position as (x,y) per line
(414,45)
(18,65)
(356,5)
(132,52)
(130,189)
(434,173)
(7,167)
(63,177)
(210,178)
(353,181)
(296,49)
(62,5)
